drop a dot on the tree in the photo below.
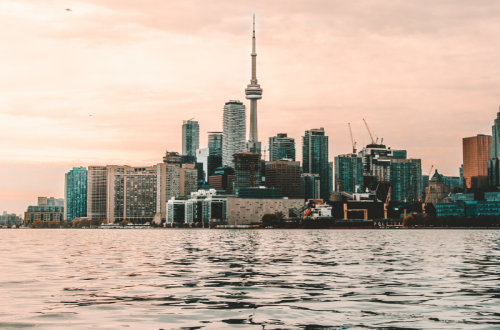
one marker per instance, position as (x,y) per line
(96,222)
(408,221)
(37,224)
(75,223)
(53,224)
(124,223)
(280,215)
(269,218)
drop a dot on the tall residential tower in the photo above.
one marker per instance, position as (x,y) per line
(234,131)
(253,93)
(190,137)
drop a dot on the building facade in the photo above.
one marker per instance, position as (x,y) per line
(349,173)
(495,137)
(406,180)
(281,147)
(476,153)
(285,175)
(215,143)
(438,190)
(168,184)
(188,179)
(315,158)
(132,193)
(97,192)
(222,179)
(75,193)
(245,211)
(247,170)
(44,214)
(190,137)
(377,162)
(310,186)
(234,131)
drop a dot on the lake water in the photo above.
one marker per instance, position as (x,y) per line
(249,279)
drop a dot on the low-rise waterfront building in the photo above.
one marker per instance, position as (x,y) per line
(450,209)
(44,214)
(245,211)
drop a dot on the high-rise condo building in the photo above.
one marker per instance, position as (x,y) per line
(281,147)
(188,179)
(190,137)
(284,174)
(495,135)
(476,153)
(234,131)
(494,162)
(315,158)
(215,143)
(131,193)
(247,170)
(97,189)
(75,193)
(253,93)
(168,183)
(202,157)
(349,173)
(310,186)
(406,179)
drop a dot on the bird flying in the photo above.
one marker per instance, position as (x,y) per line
(68,9)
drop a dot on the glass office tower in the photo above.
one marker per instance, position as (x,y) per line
(75,193)
(315,158)
(190,137)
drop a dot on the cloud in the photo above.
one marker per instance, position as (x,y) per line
(424,74)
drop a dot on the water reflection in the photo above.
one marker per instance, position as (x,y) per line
(262,279)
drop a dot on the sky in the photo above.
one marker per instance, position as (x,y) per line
(110,81)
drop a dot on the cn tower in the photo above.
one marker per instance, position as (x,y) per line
(253,93)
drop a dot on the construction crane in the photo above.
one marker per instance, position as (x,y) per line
(352,140)
(387,202)
(427,181)
(191,119)
(369,132)
(426,197)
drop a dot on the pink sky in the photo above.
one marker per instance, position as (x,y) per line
(423,74)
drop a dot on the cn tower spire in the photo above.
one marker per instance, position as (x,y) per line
(253,93)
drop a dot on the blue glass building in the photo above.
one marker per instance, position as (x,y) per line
(75,193)
(315,159)
(349,173)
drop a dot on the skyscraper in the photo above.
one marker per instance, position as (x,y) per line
(253,93)
(131,193)
(190,137)
(234,131)
(315,158)
(406,179)
(97,187)
(285,175)
(281,147)
(495,134)
(476,152)
(349,173)
(215,143)
(75,193)
(247,169)
(494,162)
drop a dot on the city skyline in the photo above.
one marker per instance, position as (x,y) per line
(54,124)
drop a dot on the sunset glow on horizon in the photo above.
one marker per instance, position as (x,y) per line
(110,82)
